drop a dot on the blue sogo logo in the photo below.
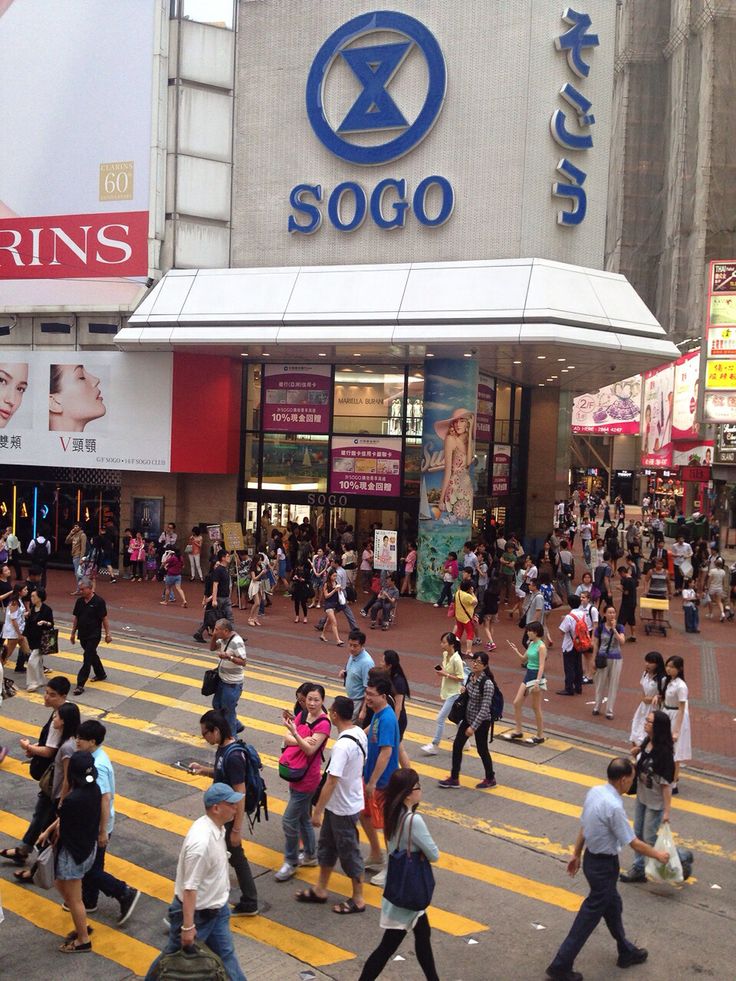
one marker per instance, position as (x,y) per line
(375,110)
(375,66)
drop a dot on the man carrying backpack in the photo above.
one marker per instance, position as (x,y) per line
(576,640)
(231,768)
(39,551)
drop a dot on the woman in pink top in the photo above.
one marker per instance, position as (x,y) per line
(137,551)
(173,564)
(410,564)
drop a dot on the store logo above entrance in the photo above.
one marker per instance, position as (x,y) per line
(375,66)
(377,126)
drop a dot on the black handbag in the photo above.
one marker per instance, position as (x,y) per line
(601,660)
(210,681)
(459,708)
(409,876)
(50,641)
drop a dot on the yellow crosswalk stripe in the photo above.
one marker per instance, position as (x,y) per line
(520,797)
(132,954)
(303,946)
(443,920)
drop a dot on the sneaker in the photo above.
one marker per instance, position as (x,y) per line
(285,873)
(240,909)
(379,879)
(364,614)
(307,861)
(430,749)
(632,877)
(587,681)
(199,638)
(88,909)
(636,956)
(486,784)
(449,784)
(78,691)
(127,904)
(561,975)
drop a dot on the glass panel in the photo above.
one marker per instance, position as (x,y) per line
(412,466)
(294,462)
(253,397)
(368,401)
(219,13)
(415,402)
(480,471)
(502,428)
(518,396)
(250,464)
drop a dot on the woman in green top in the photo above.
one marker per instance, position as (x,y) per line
(403,828)
(452,673)
(534,681)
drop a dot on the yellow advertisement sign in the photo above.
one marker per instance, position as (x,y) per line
(720,375)
(232,534)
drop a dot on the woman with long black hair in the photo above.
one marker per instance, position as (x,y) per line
(655,771)
(651,683)
(400,823)
(477,723)
(402,692)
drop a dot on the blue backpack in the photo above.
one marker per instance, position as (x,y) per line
(256,798)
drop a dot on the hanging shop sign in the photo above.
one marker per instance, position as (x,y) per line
(656,423)
(693,453)
(297,398)
(369,465)
(687,380)
(719,403)
(501,473)
(484,417)
(614,409)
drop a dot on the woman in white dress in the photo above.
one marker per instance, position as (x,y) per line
(651,686)
(675,704)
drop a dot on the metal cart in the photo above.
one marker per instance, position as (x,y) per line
(647,606)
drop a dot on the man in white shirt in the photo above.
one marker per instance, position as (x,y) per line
(592,618)
(572,660)
(200,909)
(586,534)
(338,811)
(230,648)
(681,551)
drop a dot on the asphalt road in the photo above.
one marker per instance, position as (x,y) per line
(503,901)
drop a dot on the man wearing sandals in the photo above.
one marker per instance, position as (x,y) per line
(200,909)
(338,811)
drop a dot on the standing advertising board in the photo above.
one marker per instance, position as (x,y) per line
(385,549)
(656,422)
(614,409)
(86,409)
(366,465)
(297,398)
(76,110)
(719,401)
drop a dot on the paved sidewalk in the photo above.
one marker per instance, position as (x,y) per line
(134,610)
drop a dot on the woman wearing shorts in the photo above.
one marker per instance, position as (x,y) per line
(76,830)
(534,681)
(465,603)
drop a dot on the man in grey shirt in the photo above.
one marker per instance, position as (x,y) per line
(604,831)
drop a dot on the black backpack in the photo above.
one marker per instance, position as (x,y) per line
(256,798)
(40,554)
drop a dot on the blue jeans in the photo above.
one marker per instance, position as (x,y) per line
(442,718)
(586,550)
(226,700)
(445,594)
(602,902)
(692,619)
(77,564)
(646,826)
(211,930)
(297,823)
(97,880)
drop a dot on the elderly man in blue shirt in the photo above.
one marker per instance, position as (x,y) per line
(355,673)
(604,831)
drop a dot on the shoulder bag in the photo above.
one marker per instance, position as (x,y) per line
(42,868)
(409,876)
(459,708)
(601,660)
(49,641)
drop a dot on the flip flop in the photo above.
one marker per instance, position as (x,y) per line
(24,875)
(309,896)
(14,855)
(72,947)
(73,935)
(348,907)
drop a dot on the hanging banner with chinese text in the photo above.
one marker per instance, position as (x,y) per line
(484,418)
(687,379)
(615,409)
(366,465)
(501,474)
(297,398)
(656,422)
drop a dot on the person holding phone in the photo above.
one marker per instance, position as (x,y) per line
(452,674)
(533,660)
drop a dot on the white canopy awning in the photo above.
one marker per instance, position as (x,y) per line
(531,320)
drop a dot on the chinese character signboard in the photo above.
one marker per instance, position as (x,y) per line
(614,409)
(687,379)
(501,474)
(369,465)
(484,417)
(385,544)
(719,404)
(297,398)
(86,409)
(656,422)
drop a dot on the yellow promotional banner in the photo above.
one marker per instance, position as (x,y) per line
(720,375)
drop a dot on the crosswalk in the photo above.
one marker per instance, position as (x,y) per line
(498,847)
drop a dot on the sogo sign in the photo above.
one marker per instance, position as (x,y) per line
(374,110)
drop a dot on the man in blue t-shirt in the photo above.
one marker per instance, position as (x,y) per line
(381,761)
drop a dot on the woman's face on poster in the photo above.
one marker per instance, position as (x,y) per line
(13,385)
(76,399)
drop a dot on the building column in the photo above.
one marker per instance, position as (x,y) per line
(446,492)
(547,462)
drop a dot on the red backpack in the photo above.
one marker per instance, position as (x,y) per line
(581,641)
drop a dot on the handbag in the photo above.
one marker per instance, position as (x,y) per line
(409,876)
(601,660)
(210,681)
(42,869)
(46,783)
(50,641)
(459,708)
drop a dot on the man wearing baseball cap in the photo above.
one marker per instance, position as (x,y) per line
(200,909)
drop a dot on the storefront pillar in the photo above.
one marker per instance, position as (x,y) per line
(546,478)
(446,491)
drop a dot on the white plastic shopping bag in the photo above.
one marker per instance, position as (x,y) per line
(671,873)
